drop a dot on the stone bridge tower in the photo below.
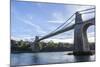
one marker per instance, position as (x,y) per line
(36,44)
(80,35)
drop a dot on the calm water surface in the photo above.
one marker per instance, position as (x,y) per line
(46,58)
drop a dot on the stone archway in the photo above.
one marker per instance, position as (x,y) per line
(84,35)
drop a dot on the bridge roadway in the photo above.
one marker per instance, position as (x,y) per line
(92,20)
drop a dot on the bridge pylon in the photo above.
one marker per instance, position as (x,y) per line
(80,37)
(36,44)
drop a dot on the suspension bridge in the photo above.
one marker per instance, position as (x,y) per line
(80,27)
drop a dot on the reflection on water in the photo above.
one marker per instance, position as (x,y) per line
(82,58)
(47,58)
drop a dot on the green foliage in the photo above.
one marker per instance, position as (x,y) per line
(44,46)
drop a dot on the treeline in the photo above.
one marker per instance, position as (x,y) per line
(20,46)
(25,46)
(51,46)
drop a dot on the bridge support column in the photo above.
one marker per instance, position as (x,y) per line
(36,44)
(81,45)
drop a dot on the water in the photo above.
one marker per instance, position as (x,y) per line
(46,58)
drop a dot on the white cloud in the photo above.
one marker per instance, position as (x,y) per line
(91,34)
(57,17)
(71,9)
(70,40)
(91,37)
(36,27)
(55,21)
(24,38)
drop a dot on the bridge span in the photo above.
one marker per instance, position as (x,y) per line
(80,36)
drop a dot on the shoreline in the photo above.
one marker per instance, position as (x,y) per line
(92,52)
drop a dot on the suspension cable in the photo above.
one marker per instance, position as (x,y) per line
(86,9)
(72,19)
(88,12)
(68,23)
(62,24)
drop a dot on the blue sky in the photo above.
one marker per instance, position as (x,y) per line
(30,19)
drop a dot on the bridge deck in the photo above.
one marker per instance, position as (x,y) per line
(92,20)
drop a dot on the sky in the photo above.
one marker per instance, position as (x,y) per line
(30,19)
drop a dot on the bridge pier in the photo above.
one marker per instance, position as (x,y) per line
(81,45)
(36,44)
